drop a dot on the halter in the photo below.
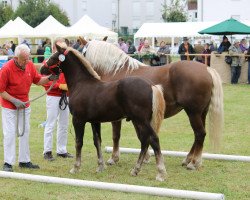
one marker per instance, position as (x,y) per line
(61,58)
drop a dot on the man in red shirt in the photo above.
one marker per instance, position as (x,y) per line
(16,77)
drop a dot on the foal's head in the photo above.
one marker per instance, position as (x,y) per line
(73,59)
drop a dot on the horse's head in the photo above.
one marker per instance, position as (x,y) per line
(52,65)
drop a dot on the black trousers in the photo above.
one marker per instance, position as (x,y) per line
(235,74)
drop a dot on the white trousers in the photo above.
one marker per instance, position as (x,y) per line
(55,114)
(9,121)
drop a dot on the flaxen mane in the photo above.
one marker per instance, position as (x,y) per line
(108,58)
(85,62)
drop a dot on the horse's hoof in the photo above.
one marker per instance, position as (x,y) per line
(134,172)
(160,177)
(191,166)
(100,168)
(111,161)
(184,162)
(73,171)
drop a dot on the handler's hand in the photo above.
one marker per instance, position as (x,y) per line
(53,77)
(18,103)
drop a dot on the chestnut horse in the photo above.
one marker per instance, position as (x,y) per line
(187,85)
(92,100)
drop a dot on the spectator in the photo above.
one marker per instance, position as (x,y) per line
(131,47)
(122,45)
(211,46)
(224,45)
(141,44)
(40,53)
(198,48)
(162,51)
(243,45)
(56,114)
(47,52)
(236,62)
(186,48)
(26,43)
(17,75)
(248,59)
(13,46)
(206,59)
(77,44)
(147,53)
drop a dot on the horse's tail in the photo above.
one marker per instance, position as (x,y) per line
(158,107)
(216,112)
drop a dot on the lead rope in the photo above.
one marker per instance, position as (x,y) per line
(18,110)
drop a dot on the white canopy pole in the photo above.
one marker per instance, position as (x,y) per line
(115,187)
(184,154)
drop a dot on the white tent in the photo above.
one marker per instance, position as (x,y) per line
(172,30)
(50,28)
(16,29)
(88,28)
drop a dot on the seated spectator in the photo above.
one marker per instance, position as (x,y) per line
(122,45)
(185,49)
(162,51)
(243,45)
(224,45)
(131,47)
(206,59)
(198,48)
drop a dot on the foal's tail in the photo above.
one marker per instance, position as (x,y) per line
(158,107)
(216,112)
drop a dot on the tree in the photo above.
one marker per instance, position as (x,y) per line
(174,12)
(34,12)
(6,14)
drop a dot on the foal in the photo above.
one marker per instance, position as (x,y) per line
(92,100)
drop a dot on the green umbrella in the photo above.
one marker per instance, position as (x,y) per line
(227,27)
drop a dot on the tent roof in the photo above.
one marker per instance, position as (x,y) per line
(89,28)
(15,28)
(172,29)
(228,27)
(50,27)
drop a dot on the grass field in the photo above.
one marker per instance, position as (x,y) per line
(229,178)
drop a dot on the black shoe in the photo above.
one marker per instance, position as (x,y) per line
(28,165)
(65,155)
(7,167)
(48,156)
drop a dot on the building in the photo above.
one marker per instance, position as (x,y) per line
(127,16)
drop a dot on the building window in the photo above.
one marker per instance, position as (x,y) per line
(84,5)
(150,8)
(124,30)
(4,3)
(136,9)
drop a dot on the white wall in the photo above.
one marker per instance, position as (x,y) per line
(219,10)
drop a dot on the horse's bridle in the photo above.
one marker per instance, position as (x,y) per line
(61,58)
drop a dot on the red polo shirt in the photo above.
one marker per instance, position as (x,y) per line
(17,82)
(56,91)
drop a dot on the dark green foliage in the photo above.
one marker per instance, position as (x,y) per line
(34,12)
(174,12)
(6,13)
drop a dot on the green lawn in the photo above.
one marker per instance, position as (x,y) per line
(229,178)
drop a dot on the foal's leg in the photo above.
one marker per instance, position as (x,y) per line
(96,129)
(116,130)
(143,136)
(194,157)
(79,133)
(155,144)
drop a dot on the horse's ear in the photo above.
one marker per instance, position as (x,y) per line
(82,40)
(59,49)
